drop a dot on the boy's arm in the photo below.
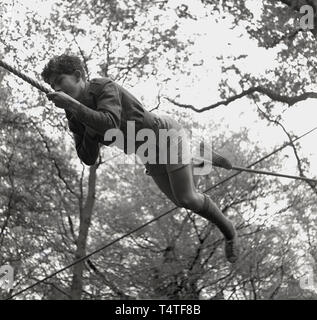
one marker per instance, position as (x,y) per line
(108,112)
(86,146)
(74,125)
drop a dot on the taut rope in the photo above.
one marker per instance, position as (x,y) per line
(26,78)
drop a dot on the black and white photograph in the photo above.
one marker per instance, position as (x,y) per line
(158,155)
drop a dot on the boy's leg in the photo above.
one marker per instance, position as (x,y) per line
(185,193)
(163,183)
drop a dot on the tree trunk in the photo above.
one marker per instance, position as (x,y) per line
(85,220)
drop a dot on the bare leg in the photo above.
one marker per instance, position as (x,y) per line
(179,187)
(185,193)
(162,181)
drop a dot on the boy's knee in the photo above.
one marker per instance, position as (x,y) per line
(192,202)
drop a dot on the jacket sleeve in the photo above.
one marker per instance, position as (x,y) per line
(87,147)
(108,109)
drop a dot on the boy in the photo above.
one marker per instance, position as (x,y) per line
(93,107)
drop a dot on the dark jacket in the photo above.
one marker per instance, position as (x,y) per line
(110,106)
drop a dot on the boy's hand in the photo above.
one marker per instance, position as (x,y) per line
(61,100)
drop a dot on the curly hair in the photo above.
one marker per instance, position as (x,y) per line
(64,63)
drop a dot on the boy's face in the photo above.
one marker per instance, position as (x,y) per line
(68,83)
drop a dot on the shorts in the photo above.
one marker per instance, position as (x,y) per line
(172,153)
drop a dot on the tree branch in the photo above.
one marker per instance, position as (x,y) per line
(271,94)
(59,172)
(299,161)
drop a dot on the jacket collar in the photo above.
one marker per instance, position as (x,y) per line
(86,93)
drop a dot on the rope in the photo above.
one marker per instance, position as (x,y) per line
(274,174)
(237,168)
(247,169)
(26,78)
(92,253)
(153,220)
